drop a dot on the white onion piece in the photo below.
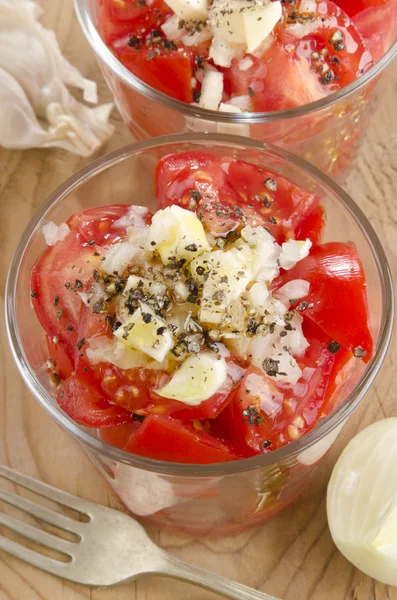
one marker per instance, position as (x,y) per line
(243,102)
(245,64)
(221,53)
(53,234)
(171,28)
(292,252)
(362,501)
(235,372)
(293,290)
(301,30)
(134,218)
(118,257)
(212,90)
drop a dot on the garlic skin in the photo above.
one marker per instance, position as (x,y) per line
(37,108)
(362,501)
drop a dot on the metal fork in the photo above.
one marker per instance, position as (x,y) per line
(111,548)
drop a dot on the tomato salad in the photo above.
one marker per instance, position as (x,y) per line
(216,329)
(248,55)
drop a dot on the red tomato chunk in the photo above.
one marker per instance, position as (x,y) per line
(107,384)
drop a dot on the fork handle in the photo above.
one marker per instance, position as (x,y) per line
(177,569)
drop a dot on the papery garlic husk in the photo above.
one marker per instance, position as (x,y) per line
(37,108)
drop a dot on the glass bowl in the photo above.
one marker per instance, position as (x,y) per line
(327,132)
(198,499)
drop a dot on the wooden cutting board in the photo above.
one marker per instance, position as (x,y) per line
(292,557)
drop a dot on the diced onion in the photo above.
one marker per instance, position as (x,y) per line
(120,42)
(118,257)
(292,252)
(171,28)
(212,90)
(362,501)
(134,218)
(235,372)
(293,290)
(53,234)
(245,64)
(198,37)
(242,102)
(301,30)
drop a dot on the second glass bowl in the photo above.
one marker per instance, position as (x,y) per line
(197,499)
(327,132)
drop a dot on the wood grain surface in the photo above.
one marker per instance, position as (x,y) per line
(293,556)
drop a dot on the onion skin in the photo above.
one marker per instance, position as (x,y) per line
(362,501)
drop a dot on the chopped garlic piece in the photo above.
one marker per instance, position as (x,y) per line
(144,330)
(176,233)
(198,378)
(292,252)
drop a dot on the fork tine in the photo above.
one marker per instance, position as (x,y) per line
(47,491)
(41,512)
(34,558)
(36,535)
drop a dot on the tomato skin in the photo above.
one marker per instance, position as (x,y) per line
(130,388)
(87,406)
(165,438)
(337,293)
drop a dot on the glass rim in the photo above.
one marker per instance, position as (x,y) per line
(216,469)
(108,58)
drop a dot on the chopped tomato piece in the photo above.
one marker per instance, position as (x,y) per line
(265,415)
(118,18)
(337,297)
(170,72)
(378,27)
(165,438)
(63,365)
(222,191)
(118,436)
(311,226)
(59,275)
(87,406)
(334,51)
(353,7)
(96,225)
